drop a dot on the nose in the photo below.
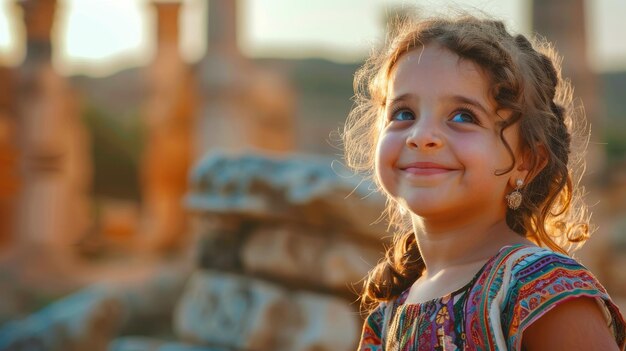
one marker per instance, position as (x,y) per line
(424,135)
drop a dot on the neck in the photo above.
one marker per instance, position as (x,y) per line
(443,246)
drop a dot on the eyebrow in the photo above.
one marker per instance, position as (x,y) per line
(456,98)
(470,101)
(403,97)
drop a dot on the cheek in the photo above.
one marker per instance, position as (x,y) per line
(482,156)
(379,158)
(474,147)
(386,155)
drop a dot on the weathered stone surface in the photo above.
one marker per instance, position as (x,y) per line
(242,313)
(87,320)
(218,246)
(90,318)
(307,189)
(149,300)
(135,344)
(290,253)
(344,264)
(282,253)
(150,344)
(231,310)
(327,324)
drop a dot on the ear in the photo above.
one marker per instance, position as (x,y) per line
(529,165)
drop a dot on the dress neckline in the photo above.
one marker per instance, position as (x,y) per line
(405,294)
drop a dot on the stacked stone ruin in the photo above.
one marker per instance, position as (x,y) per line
(282,247)
(279,247)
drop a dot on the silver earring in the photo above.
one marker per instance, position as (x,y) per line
(514,199)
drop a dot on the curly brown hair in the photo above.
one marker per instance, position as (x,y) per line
(525,78)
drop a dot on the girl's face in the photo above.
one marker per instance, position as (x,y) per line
(439,148)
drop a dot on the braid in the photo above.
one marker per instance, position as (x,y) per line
(401,266)
(546,213)
(551,73)
(523,43)
(562,131)
(561,135)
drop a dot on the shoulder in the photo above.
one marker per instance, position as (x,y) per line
(539,276)
(539,270)
(377,321)
(525,259)
(373,327)
(576,324)
(541,280)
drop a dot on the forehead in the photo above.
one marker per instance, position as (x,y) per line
(433,70)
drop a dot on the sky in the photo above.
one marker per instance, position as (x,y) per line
(100,37)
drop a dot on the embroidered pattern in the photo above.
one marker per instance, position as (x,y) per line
(511,291)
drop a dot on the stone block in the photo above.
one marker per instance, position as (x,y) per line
(293,254)
(150,344)
(282,253)
(248,314)
(87,320)
(326,324)
(219,248)
(231,310)
(345,264)
(149,299)
(135,344)
(302,188)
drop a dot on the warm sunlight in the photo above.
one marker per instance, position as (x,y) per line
(100,37)
(115,32)
(104,36)
(11,50)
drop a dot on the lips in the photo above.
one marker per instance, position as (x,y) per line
(425,168)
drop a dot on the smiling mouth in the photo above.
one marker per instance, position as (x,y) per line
(425,168)
(426,171)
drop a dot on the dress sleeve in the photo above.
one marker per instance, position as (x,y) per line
(544,279)
(371,336)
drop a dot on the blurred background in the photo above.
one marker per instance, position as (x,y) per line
(171,177)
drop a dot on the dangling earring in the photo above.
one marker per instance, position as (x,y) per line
(514,199)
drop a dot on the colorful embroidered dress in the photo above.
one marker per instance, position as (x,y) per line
(511,291)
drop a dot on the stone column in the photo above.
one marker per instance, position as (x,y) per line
(9,154)
(55,168)
(563,23)
(168,150)
(244,108)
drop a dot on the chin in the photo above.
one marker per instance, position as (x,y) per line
(425,210)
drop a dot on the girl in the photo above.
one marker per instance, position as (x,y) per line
(471,131)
